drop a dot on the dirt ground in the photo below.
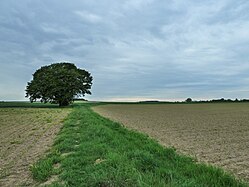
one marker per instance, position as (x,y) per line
(214,133)
(25,135)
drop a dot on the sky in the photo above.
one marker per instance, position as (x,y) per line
(134,49)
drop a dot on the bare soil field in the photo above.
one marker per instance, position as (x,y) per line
(25,135)
(214,133)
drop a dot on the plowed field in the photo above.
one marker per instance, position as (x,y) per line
(214,133)
(25,135)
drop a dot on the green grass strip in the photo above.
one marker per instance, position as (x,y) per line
(94,151)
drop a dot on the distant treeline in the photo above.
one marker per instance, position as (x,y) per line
(222,100)
(189,100)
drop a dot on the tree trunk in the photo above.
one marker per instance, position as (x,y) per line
(63,103)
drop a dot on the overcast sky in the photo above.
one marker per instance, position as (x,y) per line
(135,49)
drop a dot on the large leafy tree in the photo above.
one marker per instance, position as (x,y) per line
(59,83)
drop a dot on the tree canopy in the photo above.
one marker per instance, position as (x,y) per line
(59,83)
(188,100)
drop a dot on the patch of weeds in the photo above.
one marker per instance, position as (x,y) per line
(16,142)
(49,120)
(4,173)
(44,168)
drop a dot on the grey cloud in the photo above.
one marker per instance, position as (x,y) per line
(134,49)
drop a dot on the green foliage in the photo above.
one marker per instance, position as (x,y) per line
(94,151)
(43,169)
(59,83)
(188,100)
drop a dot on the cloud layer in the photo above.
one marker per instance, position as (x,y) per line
(135,49)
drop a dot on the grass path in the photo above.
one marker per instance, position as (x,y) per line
(93,151)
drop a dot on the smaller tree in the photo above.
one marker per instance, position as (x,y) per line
(59,83)
(188,100)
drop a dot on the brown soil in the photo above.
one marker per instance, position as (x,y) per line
(25,135)
(214,133)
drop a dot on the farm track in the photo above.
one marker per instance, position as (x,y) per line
(214,133)
(26,134)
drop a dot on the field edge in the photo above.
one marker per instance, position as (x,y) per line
(103,148)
